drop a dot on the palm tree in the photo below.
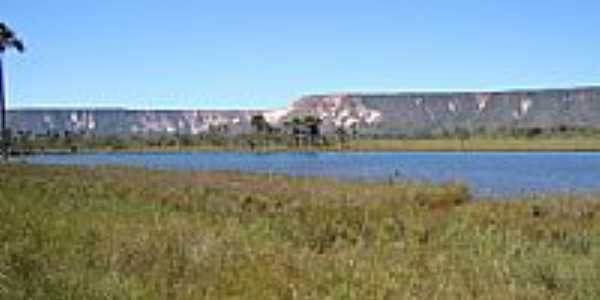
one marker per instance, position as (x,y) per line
(8,40)
(260,124)
(262,128)
(312,123)
(295,126)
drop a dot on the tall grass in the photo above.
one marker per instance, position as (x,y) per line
(478,144)
(124,233)
(432,144)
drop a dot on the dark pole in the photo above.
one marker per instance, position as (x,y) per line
(3,132)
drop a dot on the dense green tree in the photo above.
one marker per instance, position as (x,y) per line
(313,124)
(263,130)
(296,127)
(260,124)
(303,128)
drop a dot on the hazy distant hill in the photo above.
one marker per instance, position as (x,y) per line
(122,121)
(402,113)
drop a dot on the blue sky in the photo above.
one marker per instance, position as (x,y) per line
(264,54)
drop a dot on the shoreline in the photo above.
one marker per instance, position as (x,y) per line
(416,145)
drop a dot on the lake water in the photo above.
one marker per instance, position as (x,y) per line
(488,174)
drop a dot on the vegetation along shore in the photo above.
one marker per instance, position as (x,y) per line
(127,233)
(251,144)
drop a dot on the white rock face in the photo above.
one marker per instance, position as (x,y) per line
(276,116)
(81,121)
(451,106)
(194,122)
(91,122)
(374,117)
(337,110)
(524,106)
(482,102)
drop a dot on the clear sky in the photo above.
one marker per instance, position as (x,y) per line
(264,54)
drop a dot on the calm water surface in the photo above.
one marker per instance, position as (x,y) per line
(488,174)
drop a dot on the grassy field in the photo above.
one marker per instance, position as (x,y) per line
(473,144)
(123,233)
(579,143)
(479,144)
(439,144)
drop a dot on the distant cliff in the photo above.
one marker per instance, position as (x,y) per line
(390,114)
(426,113)
(121,121)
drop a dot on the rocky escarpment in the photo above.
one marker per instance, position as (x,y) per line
(426,113)
(385,114)
(121,121)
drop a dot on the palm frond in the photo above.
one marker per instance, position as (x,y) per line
(3,28)
(18,44)
(8,39)
(6,33)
